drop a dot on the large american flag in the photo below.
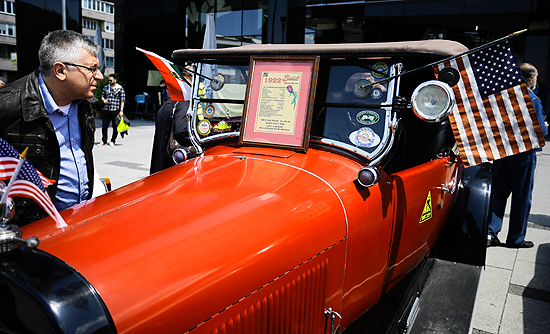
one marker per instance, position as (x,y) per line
(29,183)
(493,116)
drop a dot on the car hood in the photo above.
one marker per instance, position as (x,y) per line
(172,241)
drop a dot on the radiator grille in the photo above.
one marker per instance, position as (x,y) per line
(296,306)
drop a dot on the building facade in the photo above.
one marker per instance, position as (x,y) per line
(98,18)
(164,25)
(8,41)
(31,20)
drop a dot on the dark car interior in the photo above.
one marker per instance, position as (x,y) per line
(336,109)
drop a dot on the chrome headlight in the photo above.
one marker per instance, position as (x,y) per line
(432,101)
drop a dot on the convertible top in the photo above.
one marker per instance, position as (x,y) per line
(434,47)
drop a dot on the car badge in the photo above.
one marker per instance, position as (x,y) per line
(364,137)
(209,111)
(222,126)
(204,127)
(367,117)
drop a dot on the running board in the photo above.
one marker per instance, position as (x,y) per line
(447,302)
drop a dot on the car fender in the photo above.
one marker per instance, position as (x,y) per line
(147,258)
(464,239)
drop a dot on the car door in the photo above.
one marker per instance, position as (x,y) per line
(423,197)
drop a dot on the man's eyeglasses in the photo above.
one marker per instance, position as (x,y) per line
(91,69)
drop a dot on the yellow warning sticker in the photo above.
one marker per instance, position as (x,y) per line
(427,212)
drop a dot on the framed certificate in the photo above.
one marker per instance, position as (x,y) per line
(279,102)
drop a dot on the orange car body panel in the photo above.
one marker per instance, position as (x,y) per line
(247,238)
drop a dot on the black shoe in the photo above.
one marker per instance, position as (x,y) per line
(524,244)
(493,242)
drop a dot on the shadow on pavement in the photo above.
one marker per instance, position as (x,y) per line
(536,296)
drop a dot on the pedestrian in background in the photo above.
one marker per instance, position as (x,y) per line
(163,94)
(113,97)
(47,112)
(515,175)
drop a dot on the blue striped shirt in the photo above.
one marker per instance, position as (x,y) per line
(72,186)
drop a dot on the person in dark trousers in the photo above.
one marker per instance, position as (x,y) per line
(113,97)
(163,95)
(47,112)
(515,175)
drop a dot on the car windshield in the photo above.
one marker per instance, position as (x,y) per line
(218,109)
(351,108)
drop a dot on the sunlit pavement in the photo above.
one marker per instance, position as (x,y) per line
(514,296)
(129,160)
(515,289)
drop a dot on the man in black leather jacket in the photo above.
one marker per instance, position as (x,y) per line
(47,112)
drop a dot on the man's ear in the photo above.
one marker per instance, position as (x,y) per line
(60,71)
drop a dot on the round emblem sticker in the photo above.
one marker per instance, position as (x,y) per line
(380,70)
(376,94)
(209,111)
(204,127)
(367,117)
(364,137)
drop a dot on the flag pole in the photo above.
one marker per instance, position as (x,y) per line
(519,32)
(469,51)
(14,177)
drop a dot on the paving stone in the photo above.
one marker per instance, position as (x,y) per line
(529,274)
(492,298)
(525,315)
(541,252)
(501,257)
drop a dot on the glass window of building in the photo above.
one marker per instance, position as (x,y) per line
(239,27)
(109,26)
(108,44)
(89,24)
(100,6)
(238,22)
(7,29)
(6,7)
(110,61)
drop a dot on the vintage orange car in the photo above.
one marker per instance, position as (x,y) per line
(314,200)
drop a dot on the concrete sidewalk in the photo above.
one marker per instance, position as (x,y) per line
(514,296)
(130,159)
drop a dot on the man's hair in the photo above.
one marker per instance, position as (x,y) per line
(528,71)
(64,46)
(112,75)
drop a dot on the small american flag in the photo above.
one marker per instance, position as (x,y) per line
(28,184)
(494,116)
